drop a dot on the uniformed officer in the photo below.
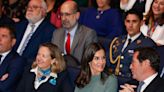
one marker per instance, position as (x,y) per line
(121,48)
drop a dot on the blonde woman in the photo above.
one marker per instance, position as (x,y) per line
(47,73)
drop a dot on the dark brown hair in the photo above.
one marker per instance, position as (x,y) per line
(85,74)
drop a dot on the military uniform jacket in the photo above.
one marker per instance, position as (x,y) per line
(126,55)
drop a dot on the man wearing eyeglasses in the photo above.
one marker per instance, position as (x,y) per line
(72,38)
(33,31)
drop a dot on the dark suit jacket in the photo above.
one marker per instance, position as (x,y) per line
(13,64)
(42,34)
(160,50)
(157,85)
(63,83)
(82,38)
(126,55)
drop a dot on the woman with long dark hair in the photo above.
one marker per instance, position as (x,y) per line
(92,77)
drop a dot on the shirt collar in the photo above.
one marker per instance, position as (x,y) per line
(72,32)
(35,70)
(133,37)
(150,78)
(37,23)
(4,54)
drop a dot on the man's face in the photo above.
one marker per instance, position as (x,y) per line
(136,67)
(34,11)
(6,41)
(132,23)
(69,17)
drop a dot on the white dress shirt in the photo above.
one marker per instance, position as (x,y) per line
(157,35)
(28,30)
(132,39)
(72,34)
(147,81)
(4,55)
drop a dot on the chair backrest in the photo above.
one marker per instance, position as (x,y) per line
(71,61)
(160,50)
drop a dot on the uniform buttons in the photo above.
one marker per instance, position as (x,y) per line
(121,65)
(119,73)
(122,57)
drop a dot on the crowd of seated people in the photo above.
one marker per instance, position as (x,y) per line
(81,45)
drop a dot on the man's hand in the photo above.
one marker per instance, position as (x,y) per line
(4,77)
(127,88)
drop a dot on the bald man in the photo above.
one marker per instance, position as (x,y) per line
(72,38)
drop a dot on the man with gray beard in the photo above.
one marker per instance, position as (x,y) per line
(34,31)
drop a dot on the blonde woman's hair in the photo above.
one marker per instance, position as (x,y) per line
(59,65)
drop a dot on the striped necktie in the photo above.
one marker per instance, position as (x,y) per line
(27,39)
(139,86)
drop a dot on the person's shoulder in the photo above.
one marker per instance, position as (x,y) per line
(112,77)
(85,28)
(91,9)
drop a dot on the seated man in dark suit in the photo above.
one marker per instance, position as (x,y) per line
(11,64)
(73,38)
(37,30)
(121,48)
(144,67)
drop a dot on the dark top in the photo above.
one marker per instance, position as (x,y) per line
(63,83)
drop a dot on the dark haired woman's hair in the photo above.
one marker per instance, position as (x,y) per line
(85,74)
(150,17)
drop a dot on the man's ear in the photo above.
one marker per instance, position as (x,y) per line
(77,15)
(147,62)
(13,42)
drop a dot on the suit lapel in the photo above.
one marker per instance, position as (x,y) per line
(76,39)
(5,63)
(62,40)
(152,87)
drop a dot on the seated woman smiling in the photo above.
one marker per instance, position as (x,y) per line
(47,73)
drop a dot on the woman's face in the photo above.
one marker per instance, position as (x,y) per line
(158,7)
(102,3)
(43,58)
(98,63)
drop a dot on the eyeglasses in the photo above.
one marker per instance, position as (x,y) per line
(66,14)
(99,58)
(34,7)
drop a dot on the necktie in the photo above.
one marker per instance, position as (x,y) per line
(139,86)
(162,73)
(0,59)
(67,45)
(27,39)
(129,41)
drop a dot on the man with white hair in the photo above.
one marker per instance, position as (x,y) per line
(34,31)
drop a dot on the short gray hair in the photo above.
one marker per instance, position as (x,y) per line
(44,5)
